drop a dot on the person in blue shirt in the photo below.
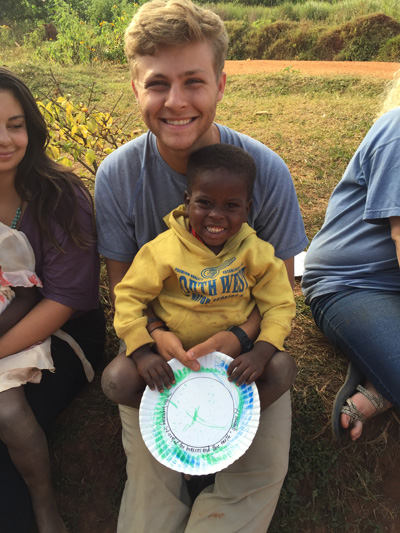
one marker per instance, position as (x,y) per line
(352,274)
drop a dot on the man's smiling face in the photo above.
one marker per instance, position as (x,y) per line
(177,91)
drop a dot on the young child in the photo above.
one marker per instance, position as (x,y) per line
(206,274)
(18,295)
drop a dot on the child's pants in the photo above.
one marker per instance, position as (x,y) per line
(243,498)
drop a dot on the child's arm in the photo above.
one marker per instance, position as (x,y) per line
(153,368)
(43,320)
(25,299)
(250,365)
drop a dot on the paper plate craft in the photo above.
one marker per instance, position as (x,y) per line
(203,423)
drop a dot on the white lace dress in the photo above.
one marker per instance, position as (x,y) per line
(17,263)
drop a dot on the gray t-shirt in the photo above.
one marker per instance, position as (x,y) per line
(135,189)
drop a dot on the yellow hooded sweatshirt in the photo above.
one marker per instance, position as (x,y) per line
(197,293)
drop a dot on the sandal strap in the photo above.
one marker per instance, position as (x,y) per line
(379,402)
(351,410)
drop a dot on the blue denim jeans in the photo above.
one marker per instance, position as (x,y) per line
(364,325)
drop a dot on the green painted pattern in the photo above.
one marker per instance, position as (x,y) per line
(171,450)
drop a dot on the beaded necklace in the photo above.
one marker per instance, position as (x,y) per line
(17,216)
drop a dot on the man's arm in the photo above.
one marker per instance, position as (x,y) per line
(116,270)
(289,264)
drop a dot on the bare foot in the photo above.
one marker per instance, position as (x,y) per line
(365,407)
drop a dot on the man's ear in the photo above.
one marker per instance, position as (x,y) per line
(186,198)
(221,86)
(134,89)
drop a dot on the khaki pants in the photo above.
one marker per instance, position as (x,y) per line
(243,498)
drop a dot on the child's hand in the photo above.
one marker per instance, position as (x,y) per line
(249,366)
(154,370)
(246,368)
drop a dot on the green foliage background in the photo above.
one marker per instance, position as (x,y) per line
(92,31)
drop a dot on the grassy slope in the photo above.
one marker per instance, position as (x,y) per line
(315,124)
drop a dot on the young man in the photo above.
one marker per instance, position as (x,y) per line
(176,52)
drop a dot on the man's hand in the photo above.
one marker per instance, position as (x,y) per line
(223,341)
(169,346)
(154,370)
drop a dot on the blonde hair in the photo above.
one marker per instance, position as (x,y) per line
(391,96)
(174,22)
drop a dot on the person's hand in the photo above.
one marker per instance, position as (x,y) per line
(169,347)
(246,368)
(249,366)
(154,370)
(223,341)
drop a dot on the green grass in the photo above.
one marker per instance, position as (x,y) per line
(333,12)
(349,30)
(315,124)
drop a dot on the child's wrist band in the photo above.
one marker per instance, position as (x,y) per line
(155,324)
(246,343)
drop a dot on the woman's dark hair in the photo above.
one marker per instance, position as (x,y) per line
(49,188)
(226,156)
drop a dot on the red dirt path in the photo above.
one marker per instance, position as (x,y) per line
(314,68)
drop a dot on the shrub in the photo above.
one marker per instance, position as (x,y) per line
(358,40)
(20,10)
(390,51)
(298,44)
(7,38)
(79,134)
(237,32)
(263,35)
(315,11)
(330,43)
(365,36)
(81,42)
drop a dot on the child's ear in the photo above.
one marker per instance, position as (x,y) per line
(248,207)
(186,198)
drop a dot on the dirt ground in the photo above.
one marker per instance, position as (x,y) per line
(313,68)
(87,457)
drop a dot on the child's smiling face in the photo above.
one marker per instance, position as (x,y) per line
(217,206)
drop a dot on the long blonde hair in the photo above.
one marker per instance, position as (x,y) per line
(391,97)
